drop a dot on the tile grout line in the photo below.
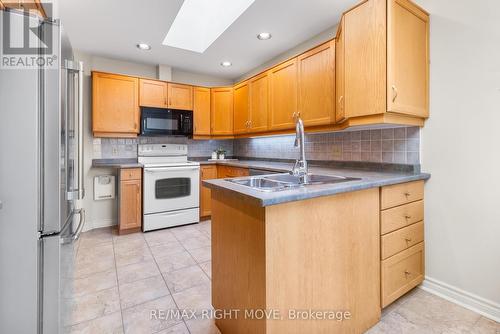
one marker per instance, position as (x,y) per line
(118,284)
(164,281)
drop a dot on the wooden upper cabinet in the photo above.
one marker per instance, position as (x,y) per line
(201,111)
(180,96)
(283,95)
(386,59)
(364,29)
(241,108)
(33,6)
(222,111)
(259,102)
(407,59)
(115,105)
(153,93)
(339,74)
(317,85)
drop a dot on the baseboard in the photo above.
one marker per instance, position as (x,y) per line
(90,225)
(485,307)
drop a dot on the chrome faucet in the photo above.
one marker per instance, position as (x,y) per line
(300,167)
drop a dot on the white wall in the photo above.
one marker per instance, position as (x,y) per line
(461,149)
(104,213)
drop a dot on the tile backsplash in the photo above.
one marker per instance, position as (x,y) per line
(107,148)
(392,145)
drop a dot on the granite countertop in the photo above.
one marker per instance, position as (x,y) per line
(116,163)
(369,179)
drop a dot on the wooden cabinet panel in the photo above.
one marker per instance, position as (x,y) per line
(206,173)
(130,201)
(201,110)
(259,102)
(283,95)
(153,93)
(317,85)
(401,239)
(33,6)
(403,193)
(407,59)
(339,74)
(222,111)
(364,30)
(130,174)
(401,216)
(401,273)
(180,96)
(115,105)
(241,108)
(229,171)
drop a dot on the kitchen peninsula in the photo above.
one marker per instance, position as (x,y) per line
(315,248)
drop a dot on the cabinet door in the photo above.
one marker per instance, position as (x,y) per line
(130,205)
(283,95)
(115,105)
(317,85)
(259,102)
(201,111)
(152,93)
(206,173)
(407,59)
(339,74)
(180,96)
(365,74)
(222,111)
(241,108)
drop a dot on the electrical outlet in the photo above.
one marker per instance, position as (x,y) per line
(114,151)
(337,149)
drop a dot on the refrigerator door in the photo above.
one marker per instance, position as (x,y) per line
(20,194)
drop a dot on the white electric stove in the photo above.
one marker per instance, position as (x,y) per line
(171,190)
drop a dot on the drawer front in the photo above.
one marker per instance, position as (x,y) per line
(403,193)
(130,174)
(401,216)
(397,241)
(401,273)
(208,172)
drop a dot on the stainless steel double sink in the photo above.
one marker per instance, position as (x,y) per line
(285,181)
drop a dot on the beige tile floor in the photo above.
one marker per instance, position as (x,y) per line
(120,279)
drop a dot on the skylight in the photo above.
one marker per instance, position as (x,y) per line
(200,22)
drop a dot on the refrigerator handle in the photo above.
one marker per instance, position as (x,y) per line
(75,235)
(73,68)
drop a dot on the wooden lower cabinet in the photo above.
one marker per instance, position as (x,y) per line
(206,173)
(402,239)
(229,171)
(130,200)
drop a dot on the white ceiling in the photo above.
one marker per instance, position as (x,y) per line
(112,28)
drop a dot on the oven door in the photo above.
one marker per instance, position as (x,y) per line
(171,188)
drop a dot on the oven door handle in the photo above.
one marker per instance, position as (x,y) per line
(169,169)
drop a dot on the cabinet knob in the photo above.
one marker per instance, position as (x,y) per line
(408,240)
(407,216)
(407,194)
(407,273)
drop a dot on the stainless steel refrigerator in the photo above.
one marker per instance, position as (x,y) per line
(41,180)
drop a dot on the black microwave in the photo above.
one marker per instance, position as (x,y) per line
(166,122)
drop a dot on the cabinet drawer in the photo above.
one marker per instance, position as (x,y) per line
(401,216)
(401,273)
(208,172)
(130,174)
(401,194)
(402,239)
